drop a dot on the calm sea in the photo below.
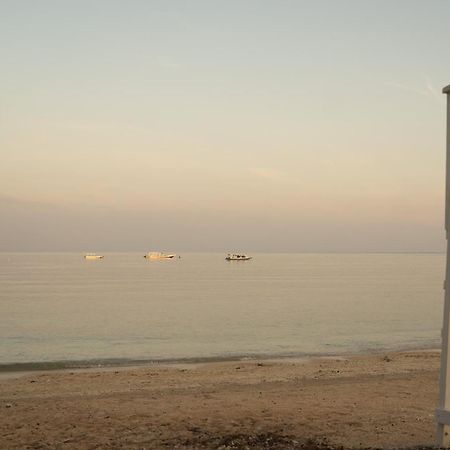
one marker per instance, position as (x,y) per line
(59,307)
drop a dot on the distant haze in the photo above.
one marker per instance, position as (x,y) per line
(220,126)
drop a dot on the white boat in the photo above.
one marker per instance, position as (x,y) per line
(159,255)
(237,257)
(92,256)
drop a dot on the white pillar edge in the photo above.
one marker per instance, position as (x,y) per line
(443,411)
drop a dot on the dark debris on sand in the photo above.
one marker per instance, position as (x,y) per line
(263,441)
(254,441)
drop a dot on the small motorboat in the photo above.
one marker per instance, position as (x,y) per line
(159,255)
(92,256)
(237,257)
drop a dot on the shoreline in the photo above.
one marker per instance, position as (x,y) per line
(382,400)
(113,363)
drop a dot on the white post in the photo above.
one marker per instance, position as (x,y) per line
(443,411)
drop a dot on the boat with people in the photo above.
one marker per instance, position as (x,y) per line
(159,255)
(92,256)
(237,257)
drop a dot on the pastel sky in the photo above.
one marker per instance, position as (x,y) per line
(223,125)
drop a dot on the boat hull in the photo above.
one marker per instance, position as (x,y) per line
(93,257)
(158,256)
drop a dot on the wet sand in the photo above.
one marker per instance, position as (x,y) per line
(385,400)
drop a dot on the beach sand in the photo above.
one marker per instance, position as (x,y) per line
(385,400)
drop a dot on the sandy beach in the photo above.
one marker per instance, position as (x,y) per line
(385,400)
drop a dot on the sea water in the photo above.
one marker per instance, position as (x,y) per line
(60,307)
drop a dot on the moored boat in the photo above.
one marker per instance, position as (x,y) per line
(159,255)
(237,257)
(92,256)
